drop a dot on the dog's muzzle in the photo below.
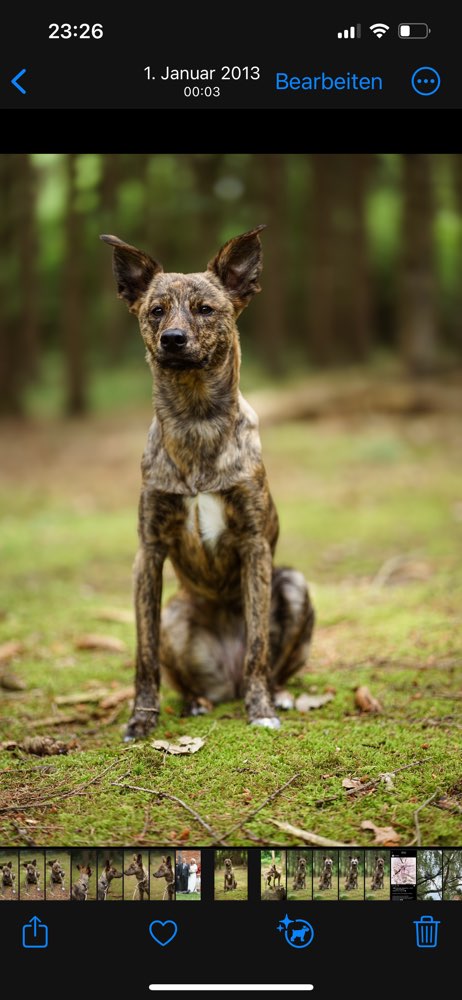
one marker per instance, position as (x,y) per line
(174,340)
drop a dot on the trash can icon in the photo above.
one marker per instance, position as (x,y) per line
(426,930)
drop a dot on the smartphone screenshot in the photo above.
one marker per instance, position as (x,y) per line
(294,59)
(231,514)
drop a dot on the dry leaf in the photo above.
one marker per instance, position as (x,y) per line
(366,701)
(309,838)
(352,783)
(305,702)
(10,649)
(106,642)
(386,836)
(124,615)
(184,834)
(186,744)
(11,682)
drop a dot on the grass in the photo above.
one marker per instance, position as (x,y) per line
(352,495)
(353,893)
(378,894)
(323,894)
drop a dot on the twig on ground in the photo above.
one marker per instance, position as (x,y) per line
(250,815)
(418,836)
(306,835)
(23,834)
(370,784)
(62,720)
(173,798)
(19,806)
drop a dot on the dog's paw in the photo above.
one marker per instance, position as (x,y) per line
(269,722)
(284,699)
(141,724)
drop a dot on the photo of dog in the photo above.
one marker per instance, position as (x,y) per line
(57,875)
(299,874)
(32,874)
(9,880)
(351,874)
(110,876)
(162,867)
(231,880)
(377,875)
(136,876)
(273,875)
(325,875)
(84,881)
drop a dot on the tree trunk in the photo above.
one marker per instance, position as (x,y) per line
(321,274)
(72,315)
(352,326)
(12,354)
(113,316)
(28,256)
(271,331)
(417,321)
(456,317)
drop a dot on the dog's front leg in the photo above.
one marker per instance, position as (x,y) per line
(148,592)
(256,591)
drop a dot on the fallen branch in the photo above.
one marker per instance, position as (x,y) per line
(306,835)
(61,720)
(123,694)
(19,807)
(173,798)
(82,696)
(23,834)
(250,815)
(416,816)
(371,784)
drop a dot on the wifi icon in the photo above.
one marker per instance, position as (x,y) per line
(379,29)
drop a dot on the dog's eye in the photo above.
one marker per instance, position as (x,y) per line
(205,310)
(157,311)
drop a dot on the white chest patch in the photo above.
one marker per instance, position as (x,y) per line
(206,515)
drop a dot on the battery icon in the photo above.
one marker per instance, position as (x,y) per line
(413,30)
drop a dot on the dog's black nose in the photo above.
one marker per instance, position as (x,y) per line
(173,340)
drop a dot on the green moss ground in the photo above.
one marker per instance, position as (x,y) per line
(351,495)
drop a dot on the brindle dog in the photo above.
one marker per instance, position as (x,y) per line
(165,870)
(57,874)
(8,875)
(108,873)
(351,878)
(300,874)
(79,891)
(378,874)
(325,878)
(238,626)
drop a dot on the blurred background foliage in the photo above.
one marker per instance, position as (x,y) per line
(363,257)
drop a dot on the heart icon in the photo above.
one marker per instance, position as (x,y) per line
(161,936)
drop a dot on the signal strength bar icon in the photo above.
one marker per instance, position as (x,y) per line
(353,32)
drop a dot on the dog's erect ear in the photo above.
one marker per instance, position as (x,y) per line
(133,270)
(238,265)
